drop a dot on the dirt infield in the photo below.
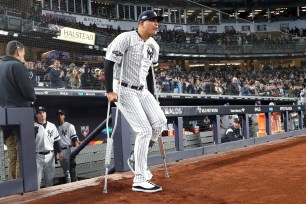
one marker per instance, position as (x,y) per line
(270,173)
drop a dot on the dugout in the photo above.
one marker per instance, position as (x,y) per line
(88,107)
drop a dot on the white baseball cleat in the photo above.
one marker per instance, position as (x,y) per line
(146,187)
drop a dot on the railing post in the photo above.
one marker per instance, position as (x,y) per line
(2,157)
(300,119)
(122,141)
(268,123)
(245,126)
(178,127)
(216,129)
(286,121)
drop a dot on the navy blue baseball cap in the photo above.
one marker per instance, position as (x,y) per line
(40,108)
(60,112)
(237,120)
(149,14)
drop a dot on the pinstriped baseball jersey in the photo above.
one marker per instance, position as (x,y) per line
(136,55)
(46,137)
(67,133)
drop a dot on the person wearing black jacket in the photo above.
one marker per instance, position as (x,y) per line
(233,88)
(56,75)
(233,132)
(16,91)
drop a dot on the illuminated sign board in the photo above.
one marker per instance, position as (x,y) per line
(75,35)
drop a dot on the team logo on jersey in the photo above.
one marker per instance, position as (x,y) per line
(85,130)
(150,53)
(117,56)
(50,133)
(64,133)
(117,53)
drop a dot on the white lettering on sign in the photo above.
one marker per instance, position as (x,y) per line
(208,110)
(257,109)
(77,36)
(285,108)
(237,110)
(170,110)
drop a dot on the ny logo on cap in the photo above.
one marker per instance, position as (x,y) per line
(144,17)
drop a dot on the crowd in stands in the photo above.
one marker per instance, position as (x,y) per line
(59,75)
(229,80)
(218,80)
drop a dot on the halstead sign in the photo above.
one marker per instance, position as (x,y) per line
(78,36)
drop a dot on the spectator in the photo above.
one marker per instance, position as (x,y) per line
(40,71)
(233,88)
(293,92)
(74,79)
(218,88)
(280,91)
(164,83)
(198,87)
(86,77)
(245,91)
(16,91)
(32,73)
(97,81)
(190,89)
(56,75)
(177,85)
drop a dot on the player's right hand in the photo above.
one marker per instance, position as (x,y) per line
(112,97)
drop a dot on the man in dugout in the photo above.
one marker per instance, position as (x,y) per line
(233,132)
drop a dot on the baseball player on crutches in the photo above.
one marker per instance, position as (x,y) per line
(133,53)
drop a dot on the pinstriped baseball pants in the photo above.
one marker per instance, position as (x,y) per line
(146,119)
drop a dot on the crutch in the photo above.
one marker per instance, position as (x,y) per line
(160,139)
(109,144)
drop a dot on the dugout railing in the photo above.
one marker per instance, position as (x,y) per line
(123,134)
(22,118)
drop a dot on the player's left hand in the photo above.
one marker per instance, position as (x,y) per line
(112,97)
